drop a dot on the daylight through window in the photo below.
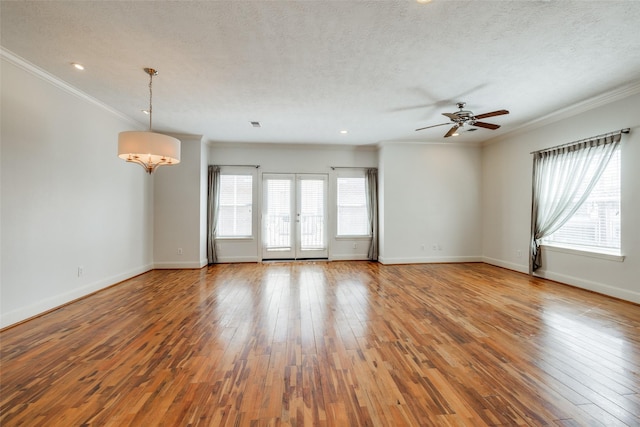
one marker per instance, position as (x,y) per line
(352,207)
(235,216)
(596,224)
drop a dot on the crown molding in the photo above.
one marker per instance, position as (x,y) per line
(457,143)
(293,146)
(27,66)
(605,98)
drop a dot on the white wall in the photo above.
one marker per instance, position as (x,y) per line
(204,183)
(289,158)
(430,203)
(180,208)
(67,200)
(507,174)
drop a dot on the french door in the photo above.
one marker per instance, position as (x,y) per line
(294,216)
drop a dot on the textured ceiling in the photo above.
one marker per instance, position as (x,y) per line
(307,69)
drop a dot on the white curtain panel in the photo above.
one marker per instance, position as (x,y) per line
(559,177)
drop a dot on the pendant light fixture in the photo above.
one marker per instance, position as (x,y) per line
(147,148)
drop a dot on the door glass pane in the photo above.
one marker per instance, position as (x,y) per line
(312,208)
(277,226)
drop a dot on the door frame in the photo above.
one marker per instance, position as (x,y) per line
(296,251)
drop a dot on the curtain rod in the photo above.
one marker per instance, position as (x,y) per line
(350,167)
(625,130)
(238,166)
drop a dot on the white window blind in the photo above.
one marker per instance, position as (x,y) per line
(277,233)
(596,224)
(353,218)
(235,215)
(312,207)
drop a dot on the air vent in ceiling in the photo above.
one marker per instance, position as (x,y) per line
(256,124)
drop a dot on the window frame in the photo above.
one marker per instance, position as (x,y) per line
(613,254)
(350,174)
(579,250)
(241,171)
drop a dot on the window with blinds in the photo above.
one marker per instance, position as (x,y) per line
(235,212)
(352,215)
(596,224)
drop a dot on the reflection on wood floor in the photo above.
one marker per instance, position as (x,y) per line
(327,344)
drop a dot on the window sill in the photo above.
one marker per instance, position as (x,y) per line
(611,256)
(353,237)
(233,239)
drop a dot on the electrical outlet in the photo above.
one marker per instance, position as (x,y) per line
(518,253)
(422,247)
(179,251)
(355,246)
(80,271)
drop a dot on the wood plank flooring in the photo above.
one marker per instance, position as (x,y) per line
(327,344)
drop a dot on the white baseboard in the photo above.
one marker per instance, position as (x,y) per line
(577,282)
(47,304)
(505,264)
(429,260)
(597,287)
(39,307)
(348,257)
(225,260)
(179,265)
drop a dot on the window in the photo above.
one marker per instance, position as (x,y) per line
(352,215)
(235,217)
(595,226)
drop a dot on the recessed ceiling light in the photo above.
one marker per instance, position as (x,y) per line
(145,111)
(344,131)
(77,66)
(455,134)
(423,1)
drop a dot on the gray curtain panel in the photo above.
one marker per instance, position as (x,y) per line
(213,203)
(371,190)
(559,175)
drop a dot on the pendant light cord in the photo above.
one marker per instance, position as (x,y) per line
(150,98)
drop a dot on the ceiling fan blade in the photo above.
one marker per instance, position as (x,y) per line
(452,131)
(485,125)
(492,114)
(427,127)
(451,116)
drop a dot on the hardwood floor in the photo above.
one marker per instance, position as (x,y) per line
(327,344)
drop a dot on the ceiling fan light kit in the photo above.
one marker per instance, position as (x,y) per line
(465,117)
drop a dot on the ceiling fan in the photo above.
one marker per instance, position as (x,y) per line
(465,117)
